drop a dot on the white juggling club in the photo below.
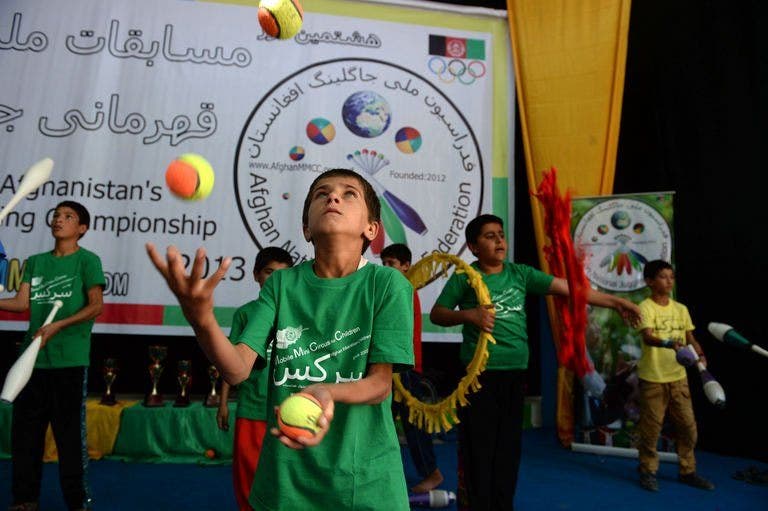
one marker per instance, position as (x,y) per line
(727,334)
(21,370)
(35,176)
(712,388)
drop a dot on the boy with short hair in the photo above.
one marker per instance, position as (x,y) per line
(490,428)
(398,256)
(251,421)
(666,327)
(57,389)
(341,327)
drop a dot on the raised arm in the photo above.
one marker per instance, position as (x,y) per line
(195,296)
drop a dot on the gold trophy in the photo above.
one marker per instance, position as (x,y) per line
(109,371)
(184,377)
(157,355)
(212,399)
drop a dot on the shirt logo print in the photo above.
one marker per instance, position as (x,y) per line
(288,335)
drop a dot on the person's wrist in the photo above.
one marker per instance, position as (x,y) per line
(667,343)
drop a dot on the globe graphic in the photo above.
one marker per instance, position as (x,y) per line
(366,114)
(620,220)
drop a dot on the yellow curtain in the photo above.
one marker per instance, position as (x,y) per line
(569,58)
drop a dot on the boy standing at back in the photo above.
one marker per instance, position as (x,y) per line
(666,327)
(57,389)
(490,428)
(251,421)
(398,256)
(341,326)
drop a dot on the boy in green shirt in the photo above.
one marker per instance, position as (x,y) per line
(57,388)
(251,422)
(340,328)
(490,428)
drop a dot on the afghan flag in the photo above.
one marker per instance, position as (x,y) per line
(456,47)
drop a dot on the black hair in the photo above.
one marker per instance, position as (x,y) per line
(653,268)
(399,251)
(476,225)
(369,194)
(83,217)
(270,254)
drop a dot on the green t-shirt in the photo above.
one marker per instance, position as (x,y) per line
(331,330)
(251,393)
(508,290)
(68,279)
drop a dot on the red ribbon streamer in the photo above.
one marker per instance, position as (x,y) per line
(565,262)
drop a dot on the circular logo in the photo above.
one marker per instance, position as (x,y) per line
(320,131)
(455,48)
(296,153)
(408,140)
(618,237)
(429,176)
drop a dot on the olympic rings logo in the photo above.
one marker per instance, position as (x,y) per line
(449,71)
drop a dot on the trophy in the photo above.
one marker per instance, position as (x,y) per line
(157,354)
(184,377)
(212,399)
(109,372)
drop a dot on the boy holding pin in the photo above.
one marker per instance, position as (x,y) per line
(56,391)
(666,327)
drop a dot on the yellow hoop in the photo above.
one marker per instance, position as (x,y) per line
(441,416)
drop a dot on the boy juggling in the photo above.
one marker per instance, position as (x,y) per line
(340,328)
(666,328)
(490,428)
(56,390)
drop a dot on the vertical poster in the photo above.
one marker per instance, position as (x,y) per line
(618,235)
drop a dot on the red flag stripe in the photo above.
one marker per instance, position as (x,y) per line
(121,313)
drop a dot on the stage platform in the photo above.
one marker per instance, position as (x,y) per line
(551,478)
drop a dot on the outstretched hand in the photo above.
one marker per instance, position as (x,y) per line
(629,312)
(194,293)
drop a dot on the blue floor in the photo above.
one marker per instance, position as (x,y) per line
(551,479)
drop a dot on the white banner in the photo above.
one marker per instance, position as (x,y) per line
(113,91)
